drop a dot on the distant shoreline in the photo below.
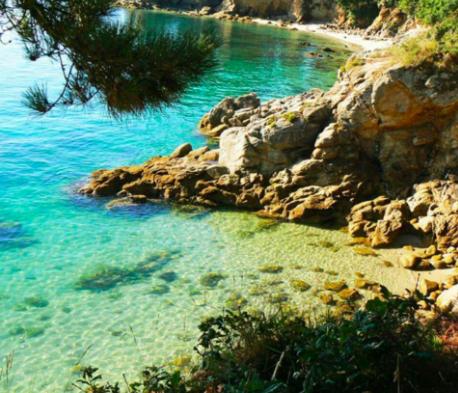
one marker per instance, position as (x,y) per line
(352,38)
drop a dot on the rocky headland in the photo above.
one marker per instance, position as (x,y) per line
(319,16)
(380,149)
(378,152)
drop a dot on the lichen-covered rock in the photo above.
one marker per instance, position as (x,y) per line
(431,211)
(389,23)
(230,112)
(380,220)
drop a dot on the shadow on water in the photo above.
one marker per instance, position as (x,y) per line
(136,210)
(14,236)
(127,211)
(104,276)
(190,212)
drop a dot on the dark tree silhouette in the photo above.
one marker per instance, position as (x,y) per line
(130,70)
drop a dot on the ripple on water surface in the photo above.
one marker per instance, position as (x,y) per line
(121,289)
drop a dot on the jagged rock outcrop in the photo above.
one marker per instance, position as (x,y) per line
(431,210)
(383,129)
(389,23)
(230,112)
(401,122)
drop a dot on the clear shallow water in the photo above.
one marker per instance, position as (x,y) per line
(50,237)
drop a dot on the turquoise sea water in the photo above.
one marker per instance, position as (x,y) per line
(50,323)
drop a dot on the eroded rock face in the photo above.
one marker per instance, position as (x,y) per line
(298,10)
(402,122)
(389,23)
(381,220)
(432,210)
(269,137)
(230,112)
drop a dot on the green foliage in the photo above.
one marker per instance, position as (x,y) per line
(128,69)
(440,44)
(382,348)
(352,62)
(429,11)
(360,13)
(416,50)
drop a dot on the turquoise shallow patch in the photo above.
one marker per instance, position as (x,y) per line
(80,284)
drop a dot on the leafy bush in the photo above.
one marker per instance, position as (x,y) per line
(416,50)
(428,11)
(360,13)
(446,34)
(382,348)
(439,46)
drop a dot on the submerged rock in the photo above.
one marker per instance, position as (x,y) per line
(270,268)
(103,276)
(300,285)
(160,289)
(335,286)
(212,279)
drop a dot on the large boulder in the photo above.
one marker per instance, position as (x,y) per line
(448,301)
(431,211)
(279,134)
(230,112)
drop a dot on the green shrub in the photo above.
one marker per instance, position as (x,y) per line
(360,13)
(416,50)
(382,348)
(440,46)
(429,11)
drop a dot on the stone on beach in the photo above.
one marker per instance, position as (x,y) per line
(448,301)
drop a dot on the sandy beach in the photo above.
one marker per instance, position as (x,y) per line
(356,40)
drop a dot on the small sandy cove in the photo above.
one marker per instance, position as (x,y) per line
(316,28)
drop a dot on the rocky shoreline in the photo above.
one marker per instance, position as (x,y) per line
(378,151)
(317,17)
(383,131)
